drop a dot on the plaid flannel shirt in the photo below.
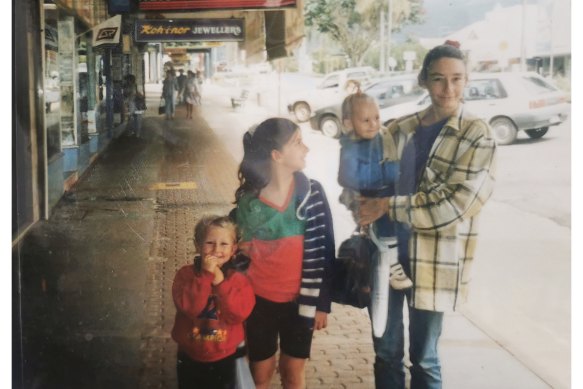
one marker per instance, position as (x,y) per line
(443,213)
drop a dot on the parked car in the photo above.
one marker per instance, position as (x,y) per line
(388,114)
(332,87)
(513,102)
(509,102)
(387,92)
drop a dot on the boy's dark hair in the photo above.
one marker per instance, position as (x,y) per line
(206,222)
(450,49)
(258,143)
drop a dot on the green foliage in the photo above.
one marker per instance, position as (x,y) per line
(355,25)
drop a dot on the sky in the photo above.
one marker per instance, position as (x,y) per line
(445,16)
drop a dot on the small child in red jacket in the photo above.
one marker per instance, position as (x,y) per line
(212,301)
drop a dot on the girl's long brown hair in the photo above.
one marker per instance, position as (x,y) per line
(255,169)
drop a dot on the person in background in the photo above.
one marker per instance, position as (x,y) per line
(200,80)
(181,80)
(446,176)
(133,101)
(212,300)
(286,230)
(169,88)
(191,94)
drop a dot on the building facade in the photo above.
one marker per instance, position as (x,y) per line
(70,60)
(68,98)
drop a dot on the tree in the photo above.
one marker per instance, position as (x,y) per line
(355,24)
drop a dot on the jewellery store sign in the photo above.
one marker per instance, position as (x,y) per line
(217,30)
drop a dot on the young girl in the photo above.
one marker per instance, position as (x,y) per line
(212,301)
(369,167)
(286,229)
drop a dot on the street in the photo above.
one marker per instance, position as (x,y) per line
(522,277)
(520,295)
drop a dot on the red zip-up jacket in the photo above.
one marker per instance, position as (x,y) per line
(209,319)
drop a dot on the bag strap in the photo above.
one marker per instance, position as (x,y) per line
(361,230)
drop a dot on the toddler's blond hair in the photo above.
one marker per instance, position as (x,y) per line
(349,105)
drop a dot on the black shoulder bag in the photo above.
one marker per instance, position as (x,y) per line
(351,271)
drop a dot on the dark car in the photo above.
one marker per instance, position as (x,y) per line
(387,92)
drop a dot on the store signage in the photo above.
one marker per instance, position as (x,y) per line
(194,5)
(218,30)
(120,6)
(108,32)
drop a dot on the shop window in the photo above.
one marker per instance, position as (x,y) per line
(52,83)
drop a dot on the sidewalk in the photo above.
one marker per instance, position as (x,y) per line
(95,279)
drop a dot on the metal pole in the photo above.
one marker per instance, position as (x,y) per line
(382,67)
(551,65)
(522,38)
(389,28)
(45,152)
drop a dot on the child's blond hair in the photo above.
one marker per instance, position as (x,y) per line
(206,222)
(349,104)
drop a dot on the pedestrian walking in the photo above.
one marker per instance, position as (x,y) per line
(169,89)
(191,93)
(181,80)
(200,80)
(286,230)
(212,301)
(446,176)
(136,105)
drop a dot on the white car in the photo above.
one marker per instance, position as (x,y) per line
(386,91)
(509,102)
(333,87)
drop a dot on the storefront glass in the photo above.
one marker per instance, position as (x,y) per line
(52,88)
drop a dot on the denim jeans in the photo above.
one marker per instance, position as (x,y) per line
(169,105)
(424,332)
(135,124)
